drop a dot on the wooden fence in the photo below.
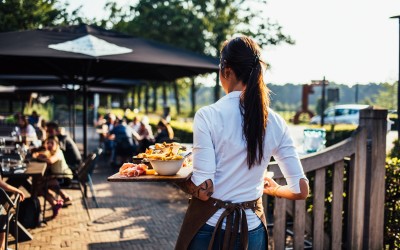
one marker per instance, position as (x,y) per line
(345,209)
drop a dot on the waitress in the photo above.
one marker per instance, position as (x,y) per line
(233,142)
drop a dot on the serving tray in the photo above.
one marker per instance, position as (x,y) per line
(183,174)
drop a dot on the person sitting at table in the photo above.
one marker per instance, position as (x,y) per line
(67,145)
(25,130)
(3,223)
(165,132)
(145,138)
(59,172)
(124,138)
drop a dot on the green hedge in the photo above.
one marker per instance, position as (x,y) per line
(392,199)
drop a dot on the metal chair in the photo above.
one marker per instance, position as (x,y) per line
(11,207)
(84,175)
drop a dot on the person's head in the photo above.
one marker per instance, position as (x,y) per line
(51,143)
(111,118)
(52,129)
(241,63)
(23,121)
(164,125)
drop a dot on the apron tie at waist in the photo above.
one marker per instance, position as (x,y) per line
(234,213)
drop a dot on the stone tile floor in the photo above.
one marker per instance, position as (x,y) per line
(130,216)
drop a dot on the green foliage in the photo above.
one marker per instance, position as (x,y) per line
(387,96)
(392,201)
(32,14)
(44,110)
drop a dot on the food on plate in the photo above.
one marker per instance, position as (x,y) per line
(150,172)
(162,151)
(133,170)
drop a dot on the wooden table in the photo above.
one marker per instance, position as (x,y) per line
(181,176)
(33,169)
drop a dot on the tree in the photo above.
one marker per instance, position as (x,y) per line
(198,25)
(387,96)
(32,14)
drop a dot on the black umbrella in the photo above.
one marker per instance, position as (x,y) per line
(88,55)
(97,54)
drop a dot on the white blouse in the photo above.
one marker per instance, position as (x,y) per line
(219,154)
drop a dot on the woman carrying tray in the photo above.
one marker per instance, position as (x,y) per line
(233,141)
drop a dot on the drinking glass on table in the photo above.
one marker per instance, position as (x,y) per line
(5,165)
(2,145)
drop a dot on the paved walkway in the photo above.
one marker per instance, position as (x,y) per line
(130,216)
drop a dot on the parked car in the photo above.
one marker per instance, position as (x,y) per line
(346,113)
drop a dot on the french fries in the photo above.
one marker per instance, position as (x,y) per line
(162,151)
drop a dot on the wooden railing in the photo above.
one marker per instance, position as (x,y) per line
(345,209)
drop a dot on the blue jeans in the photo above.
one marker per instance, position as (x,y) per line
(257,238)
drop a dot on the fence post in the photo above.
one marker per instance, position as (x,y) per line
(375,123)
(356,202)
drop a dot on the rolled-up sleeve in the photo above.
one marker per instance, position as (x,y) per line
(289,162)
(204,163)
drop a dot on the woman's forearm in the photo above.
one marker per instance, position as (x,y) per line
(284,191)
(202,192)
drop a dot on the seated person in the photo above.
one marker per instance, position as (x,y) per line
(25,130)
(107,127)
(34,119)
(3,223)
(164,132)
(59,172)
(67,145)
(145,137)
(124,143)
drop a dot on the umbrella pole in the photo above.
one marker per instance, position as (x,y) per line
(85,102)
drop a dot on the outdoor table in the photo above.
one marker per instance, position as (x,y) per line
(33,169)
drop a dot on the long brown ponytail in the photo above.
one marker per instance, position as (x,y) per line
(242,55)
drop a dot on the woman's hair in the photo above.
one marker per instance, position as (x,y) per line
(53,138)
(242,55)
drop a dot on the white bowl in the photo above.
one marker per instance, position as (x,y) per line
(170,167)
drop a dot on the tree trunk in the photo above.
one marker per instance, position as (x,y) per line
(164,93)
(146,99)
(138,93)
(193,95)
(176,94)
(154,98)
(133,104)
(121,101)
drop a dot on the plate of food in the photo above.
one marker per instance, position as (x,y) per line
(166,160)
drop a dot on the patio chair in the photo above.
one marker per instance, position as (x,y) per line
(11,207)
(84,173)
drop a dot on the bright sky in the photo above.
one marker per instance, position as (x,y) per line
(347,41)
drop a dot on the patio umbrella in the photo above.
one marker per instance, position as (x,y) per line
(92,54)
(89,55)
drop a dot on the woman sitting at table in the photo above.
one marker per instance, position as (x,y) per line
(59,172)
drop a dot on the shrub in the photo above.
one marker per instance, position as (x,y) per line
(392,203)
(392,198)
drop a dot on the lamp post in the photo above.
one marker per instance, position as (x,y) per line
(398,86)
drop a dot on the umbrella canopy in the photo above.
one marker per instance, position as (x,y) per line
(91,54)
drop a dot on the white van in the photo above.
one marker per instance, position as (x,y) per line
(347,114)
